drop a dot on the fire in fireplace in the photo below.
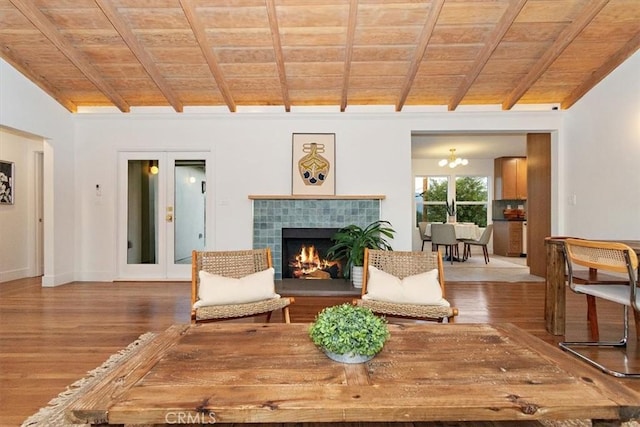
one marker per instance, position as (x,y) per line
(304,254)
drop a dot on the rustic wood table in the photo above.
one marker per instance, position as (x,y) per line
(272,373)
(555,291)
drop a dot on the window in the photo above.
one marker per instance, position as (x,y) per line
(431,194)
(472,199)
(470,193)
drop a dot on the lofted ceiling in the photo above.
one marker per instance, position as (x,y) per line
(289,53)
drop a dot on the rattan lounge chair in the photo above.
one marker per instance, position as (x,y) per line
(610,257)
(402,264)
(233,264)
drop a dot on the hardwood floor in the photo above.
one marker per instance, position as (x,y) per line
(50,337)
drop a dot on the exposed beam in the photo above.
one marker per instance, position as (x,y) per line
(277,47)
(351,31)
(39,80)
(140,52)
(207,50)
(618,58)
(555,50)
(425,36)
(42,23)
(492,43)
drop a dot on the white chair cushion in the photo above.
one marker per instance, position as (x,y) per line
(423,288)
(220,290)
(616,293)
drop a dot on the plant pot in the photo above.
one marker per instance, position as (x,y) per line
(356,276)
(347,358)
(452,219)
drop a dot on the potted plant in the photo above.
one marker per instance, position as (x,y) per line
(350,242)
(349,333)
(451,210)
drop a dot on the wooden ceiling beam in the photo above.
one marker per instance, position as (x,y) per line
(40,81)
(487,50)
(425,36)
(618,58)
(207,50)
(42,23)
(277,47)
(561,42)
(351,32)
(140,52)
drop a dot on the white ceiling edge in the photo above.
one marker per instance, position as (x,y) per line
(474,145)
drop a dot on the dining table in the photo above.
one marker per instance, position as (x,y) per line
(555,282)
(464,230)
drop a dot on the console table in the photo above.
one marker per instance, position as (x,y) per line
(272,373)
(555,291)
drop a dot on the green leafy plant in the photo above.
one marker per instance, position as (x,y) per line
(350,242)
(349,329)
(451,208)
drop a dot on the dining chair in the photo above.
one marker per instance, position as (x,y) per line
(234,284)
(445,235)
(612,257)
(405,284)
(422,228)
(482,242)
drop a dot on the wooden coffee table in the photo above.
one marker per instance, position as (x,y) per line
(272,373)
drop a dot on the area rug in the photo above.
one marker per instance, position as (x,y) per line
(52,415)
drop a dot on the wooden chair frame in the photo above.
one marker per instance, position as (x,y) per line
(612,257)
(402,264)
(235,264)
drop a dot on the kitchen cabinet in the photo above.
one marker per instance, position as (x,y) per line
(507,238)
(510,180)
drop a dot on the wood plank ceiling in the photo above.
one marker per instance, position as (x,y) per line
(288,53)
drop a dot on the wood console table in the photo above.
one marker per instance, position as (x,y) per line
(272,373)
(555,291)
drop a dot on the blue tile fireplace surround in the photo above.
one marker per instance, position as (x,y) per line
(271,214)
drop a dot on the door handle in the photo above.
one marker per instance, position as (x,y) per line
(169,217)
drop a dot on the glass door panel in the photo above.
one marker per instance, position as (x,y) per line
(189,200)
(142,211)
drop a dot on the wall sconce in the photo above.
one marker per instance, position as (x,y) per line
(153,167)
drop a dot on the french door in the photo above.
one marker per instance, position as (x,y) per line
(162,213)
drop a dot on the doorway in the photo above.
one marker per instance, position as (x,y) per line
(162,211)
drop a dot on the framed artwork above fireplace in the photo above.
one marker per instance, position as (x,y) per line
(313,169)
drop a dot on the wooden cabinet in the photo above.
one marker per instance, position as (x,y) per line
(510,181)
(507,238)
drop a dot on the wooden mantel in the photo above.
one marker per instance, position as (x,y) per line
(317,197)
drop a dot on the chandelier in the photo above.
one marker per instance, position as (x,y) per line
(453,161)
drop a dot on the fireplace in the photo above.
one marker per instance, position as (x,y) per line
(304,254)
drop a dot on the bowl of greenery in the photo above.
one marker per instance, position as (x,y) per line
(348,333)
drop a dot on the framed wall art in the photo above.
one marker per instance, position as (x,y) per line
(313,170)
(7,174)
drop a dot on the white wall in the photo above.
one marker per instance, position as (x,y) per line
(18,220)
(26,108)
(601,159)
(252,155)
